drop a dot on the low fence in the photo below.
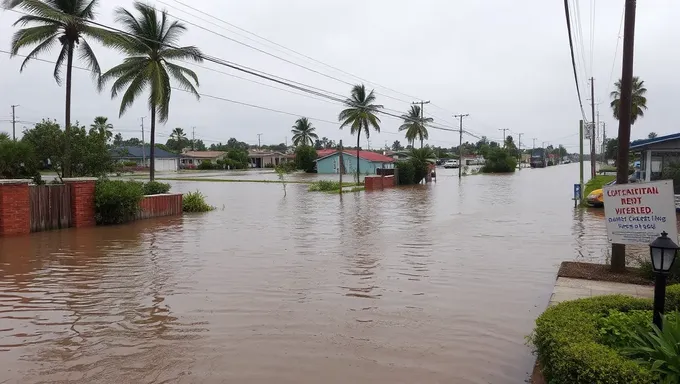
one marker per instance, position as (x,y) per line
(372,183)
(50,207)
(160,205)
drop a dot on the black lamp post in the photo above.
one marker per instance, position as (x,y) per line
(663,251)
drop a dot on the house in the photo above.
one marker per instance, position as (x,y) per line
(369,162)
(164,161)
(655,155)
(397,155)
(266,159)
(191,159)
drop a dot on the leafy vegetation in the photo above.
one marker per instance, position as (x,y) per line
(324,186)
(415,125)
(305,158)
(639,100)
(149,43)
(499,160)
(195,202)
(117,201)
(360,114)
(303,132)
(156,188)
(617,329)
(659,350)
(576,345)
(18,161)
(414,170)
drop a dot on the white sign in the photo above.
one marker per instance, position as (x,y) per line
(638,213)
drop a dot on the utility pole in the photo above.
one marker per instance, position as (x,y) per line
(143,146)
(618,261)
(460,144)
(519,151)
(534,146)
(504,137)
(14,122)
(341,166)
(193,138)
(580,157)
(422,112)
(592,132)
(604,142)
(258,140)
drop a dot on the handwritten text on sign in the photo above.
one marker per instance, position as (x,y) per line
(638,213)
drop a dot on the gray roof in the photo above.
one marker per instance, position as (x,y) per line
(135,152)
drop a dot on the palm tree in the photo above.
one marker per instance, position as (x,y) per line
(63,22)
(148,64)
(360,114)
(102,127)
(4,136)
(303,132)
(639,101)
(178,135)
(415,125)
(652,135)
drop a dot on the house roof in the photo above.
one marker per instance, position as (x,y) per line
(203,154)
(265,154)
(641,144)
(135,152)
(366,155)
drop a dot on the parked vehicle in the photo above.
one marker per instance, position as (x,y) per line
(596,197)
(538,158)
(451,164)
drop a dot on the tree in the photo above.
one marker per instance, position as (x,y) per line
(652,135)
(102,127)
(118,140)
(178,140)
(4,136)
(303,132)
(360,114)
(198,145)
(318,144)
(396,146)
(60,22)
(415,125)
(639,101)
(149,45)
(611,148)
(305,158)
(17,160)
(45,137)
(232,143)
(499,160)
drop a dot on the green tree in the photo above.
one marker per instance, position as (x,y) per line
(415,125)
(303,132)
(639,101)
(150,51)
(18,160)
(4,136)
(652,135)
(118,140)
(305,157)
(396,146)
(360,114)
(178,140)
(102,127)
(46,138)
(499,160)
(611,148)
(63,22)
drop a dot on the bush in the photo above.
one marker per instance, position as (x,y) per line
(206,165)
(195,202)
(406,172)
(156,188)
(305,158)
(499,160)
(324,186)
(659,351)
(117,201)
(18,161)
(129,163)
(617,328)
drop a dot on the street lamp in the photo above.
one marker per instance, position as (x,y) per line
(663,251)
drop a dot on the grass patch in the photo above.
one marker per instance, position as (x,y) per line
(596,182)
(195,202)
(324,186)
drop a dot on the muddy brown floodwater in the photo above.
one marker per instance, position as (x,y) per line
(429,284)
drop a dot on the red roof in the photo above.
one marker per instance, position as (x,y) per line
(366,155)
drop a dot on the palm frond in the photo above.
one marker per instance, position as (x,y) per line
(183,53)
(88,11)
(136,87)
(47,43)
(43,9)
(31,19)
(177,72)
(58,65)
(32,36)
(86,54)
(173,32)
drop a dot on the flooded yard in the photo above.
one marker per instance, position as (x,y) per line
(427,284)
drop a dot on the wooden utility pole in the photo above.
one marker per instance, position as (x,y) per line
(519,151)
(504,137)
(593,157)
(340,166)
(422,113)
(619,250)
(604,142)
(460,144)
(143,149)
(258,140)
(193,138)
(14,122)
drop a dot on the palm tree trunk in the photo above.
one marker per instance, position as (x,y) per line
(421,143)
(358,173)
(152,150)
(67,127)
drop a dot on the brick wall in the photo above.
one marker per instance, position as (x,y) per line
(82,201)
(372,183)
(15,216)
(160,205)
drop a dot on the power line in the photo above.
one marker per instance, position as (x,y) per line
(573,60)
(616,50)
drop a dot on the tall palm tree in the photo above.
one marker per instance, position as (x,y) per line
(639,101)
(148,64)
(178,135)
(102,127)
(303,132)
(360,114)
(415,125)
(61,22)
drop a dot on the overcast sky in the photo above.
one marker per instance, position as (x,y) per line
(504,62)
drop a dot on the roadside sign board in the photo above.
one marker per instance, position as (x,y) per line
(577,191)
(638,213)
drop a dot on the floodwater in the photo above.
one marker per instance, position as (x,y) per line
(427,284)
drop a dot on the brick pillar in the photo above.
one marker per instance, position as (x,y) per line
(15,207)
(82,201)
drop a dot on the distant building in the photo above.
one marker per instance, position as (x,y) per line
(266,159)
(369,162)
(190,159)
(398,155)
(164,160)
(655,155)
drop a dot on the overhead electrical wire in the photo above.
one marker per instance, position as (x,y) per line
(616,50)
(573,60)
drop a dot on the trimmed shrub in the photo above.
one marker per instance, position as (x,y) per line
(206,165)
(129,163)
(156,188)
(195,202)
(117,201)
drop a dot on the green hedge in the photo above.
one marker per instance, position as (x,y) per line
(570,347)
(117,201)
(156,188)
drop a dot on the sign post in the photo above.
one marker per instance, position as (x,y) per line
(638,213)
(577,194)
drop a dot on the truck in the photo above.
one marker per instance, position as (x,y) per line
(538,158)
